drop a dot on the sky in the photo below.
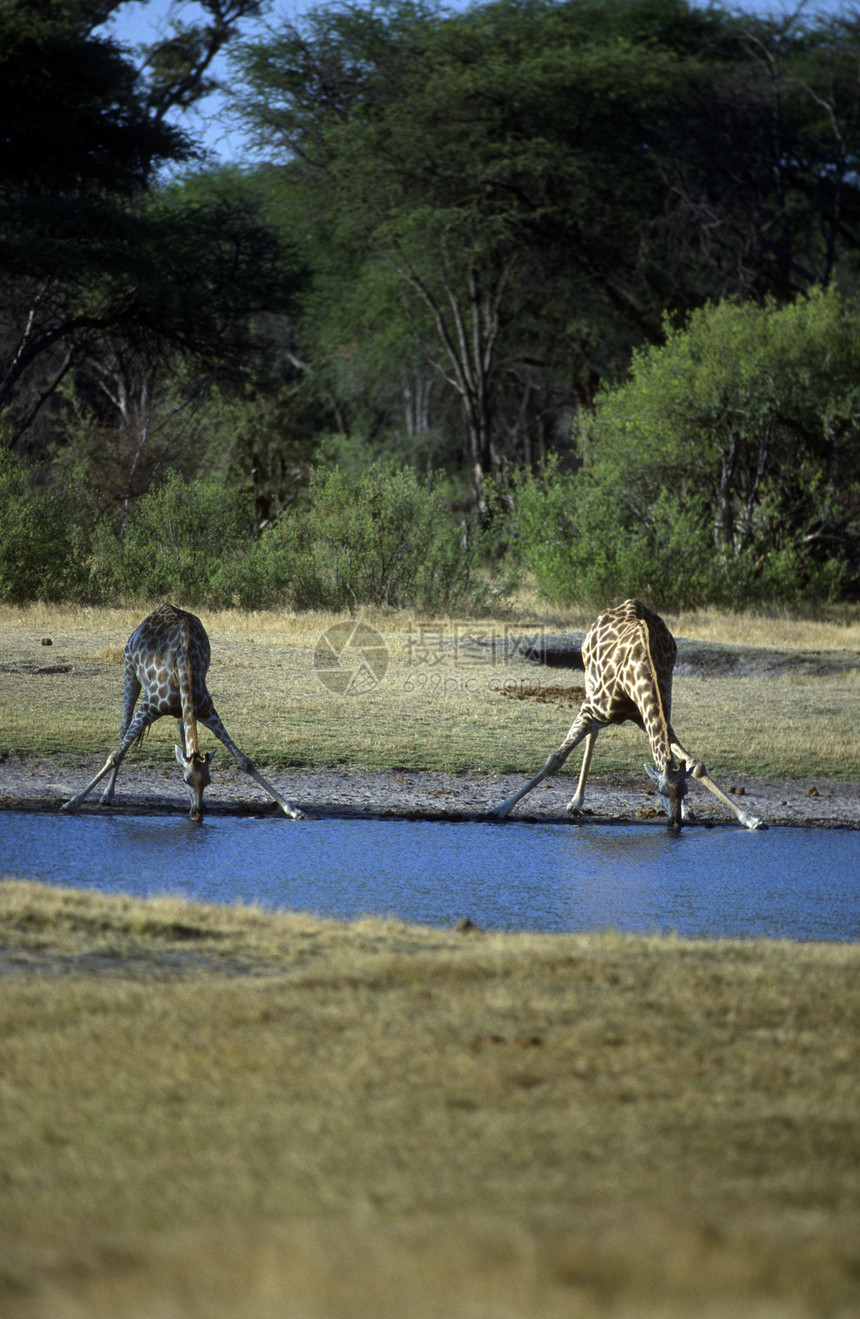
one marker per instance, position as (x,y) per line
(140,22)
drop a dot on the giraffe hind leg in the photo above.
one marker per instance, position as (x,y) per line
(107,795)
(574,806)
(111,766)
(129,700)
(579,730)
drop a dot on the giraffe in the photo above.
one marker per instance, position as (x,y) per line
(629,655)
(167,658)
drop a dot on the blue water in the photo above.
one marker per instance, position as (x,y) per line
(779,883)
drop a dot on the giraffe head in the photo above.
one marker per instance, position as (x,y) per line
(195,771)
(672,787)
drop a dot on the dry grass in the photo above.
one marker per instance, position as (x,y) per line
(839,629)
(440,705)
(217,1112)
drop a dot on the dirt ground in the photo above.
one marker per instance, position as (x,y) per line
(33,784)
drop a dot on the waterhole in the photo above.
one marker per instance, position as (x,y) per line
(780,883)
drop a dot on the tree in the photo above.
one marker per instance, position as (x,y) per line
(761,163)
(496,163)
(207,269)
(97,268)
(78,146)
(750,416)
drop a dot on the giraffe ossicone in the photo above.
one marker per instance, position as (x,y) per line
(166,662)
(629,658)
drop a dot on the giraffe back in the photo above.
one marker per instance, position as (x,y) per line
(629,656)
(169,654)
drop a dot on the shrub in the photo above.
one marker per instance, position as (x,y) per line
(381,538)
(187,542)
(748,416)
(43,536)
(588,543)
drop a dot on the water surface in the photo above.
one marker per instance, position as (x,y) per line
(780,883)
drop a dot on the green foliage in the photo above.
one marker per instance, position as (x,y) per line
(751,415)
(381,538)
(589,544)
(42,536)
(585,545)
(73,109)
(187,541)
(97,263)
(513,195)
(378,538)
(454,177)
(725,470)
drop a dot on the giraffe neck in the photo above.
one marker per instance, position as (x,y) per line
(186,694)
(653,711)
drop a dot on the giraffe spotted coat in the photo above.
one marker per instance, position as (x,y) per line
(629,657)
(166,662)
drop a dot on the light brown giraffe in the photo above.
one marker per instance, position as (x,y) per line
(167,658)
(629,656)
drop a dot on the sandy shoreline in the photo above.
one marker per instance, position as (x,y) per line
(41,785)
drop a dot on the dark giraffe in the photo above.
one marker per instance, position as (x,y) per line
(167,659)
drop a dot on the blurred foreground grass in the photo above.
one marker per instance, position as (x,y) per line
(440,703)
(224,1113)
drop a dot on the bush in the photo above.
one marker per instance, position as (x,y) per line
(586,546)
(187,541)
(589,543)
(43,536)
(747,416)
(381,538)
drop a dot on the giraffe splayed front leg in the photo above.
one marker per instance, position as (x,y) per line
(213,722)
(131,731)
(697,770)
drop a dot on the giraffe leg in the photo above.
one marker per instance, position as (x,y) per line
(698,771)
(574,806)
(129,698)
(111,766)
(212,721)
(579,730)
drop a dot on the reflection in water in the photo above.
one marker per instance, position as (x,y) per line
(784,883)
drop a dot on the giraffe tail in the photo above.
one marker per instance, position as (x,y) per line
(138,741)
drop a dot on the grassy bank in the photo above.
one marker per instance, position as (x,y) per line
(442,703)
(218,1112)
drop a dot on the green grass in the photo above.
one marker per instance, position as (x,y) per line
(435,709)
(212,1111)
